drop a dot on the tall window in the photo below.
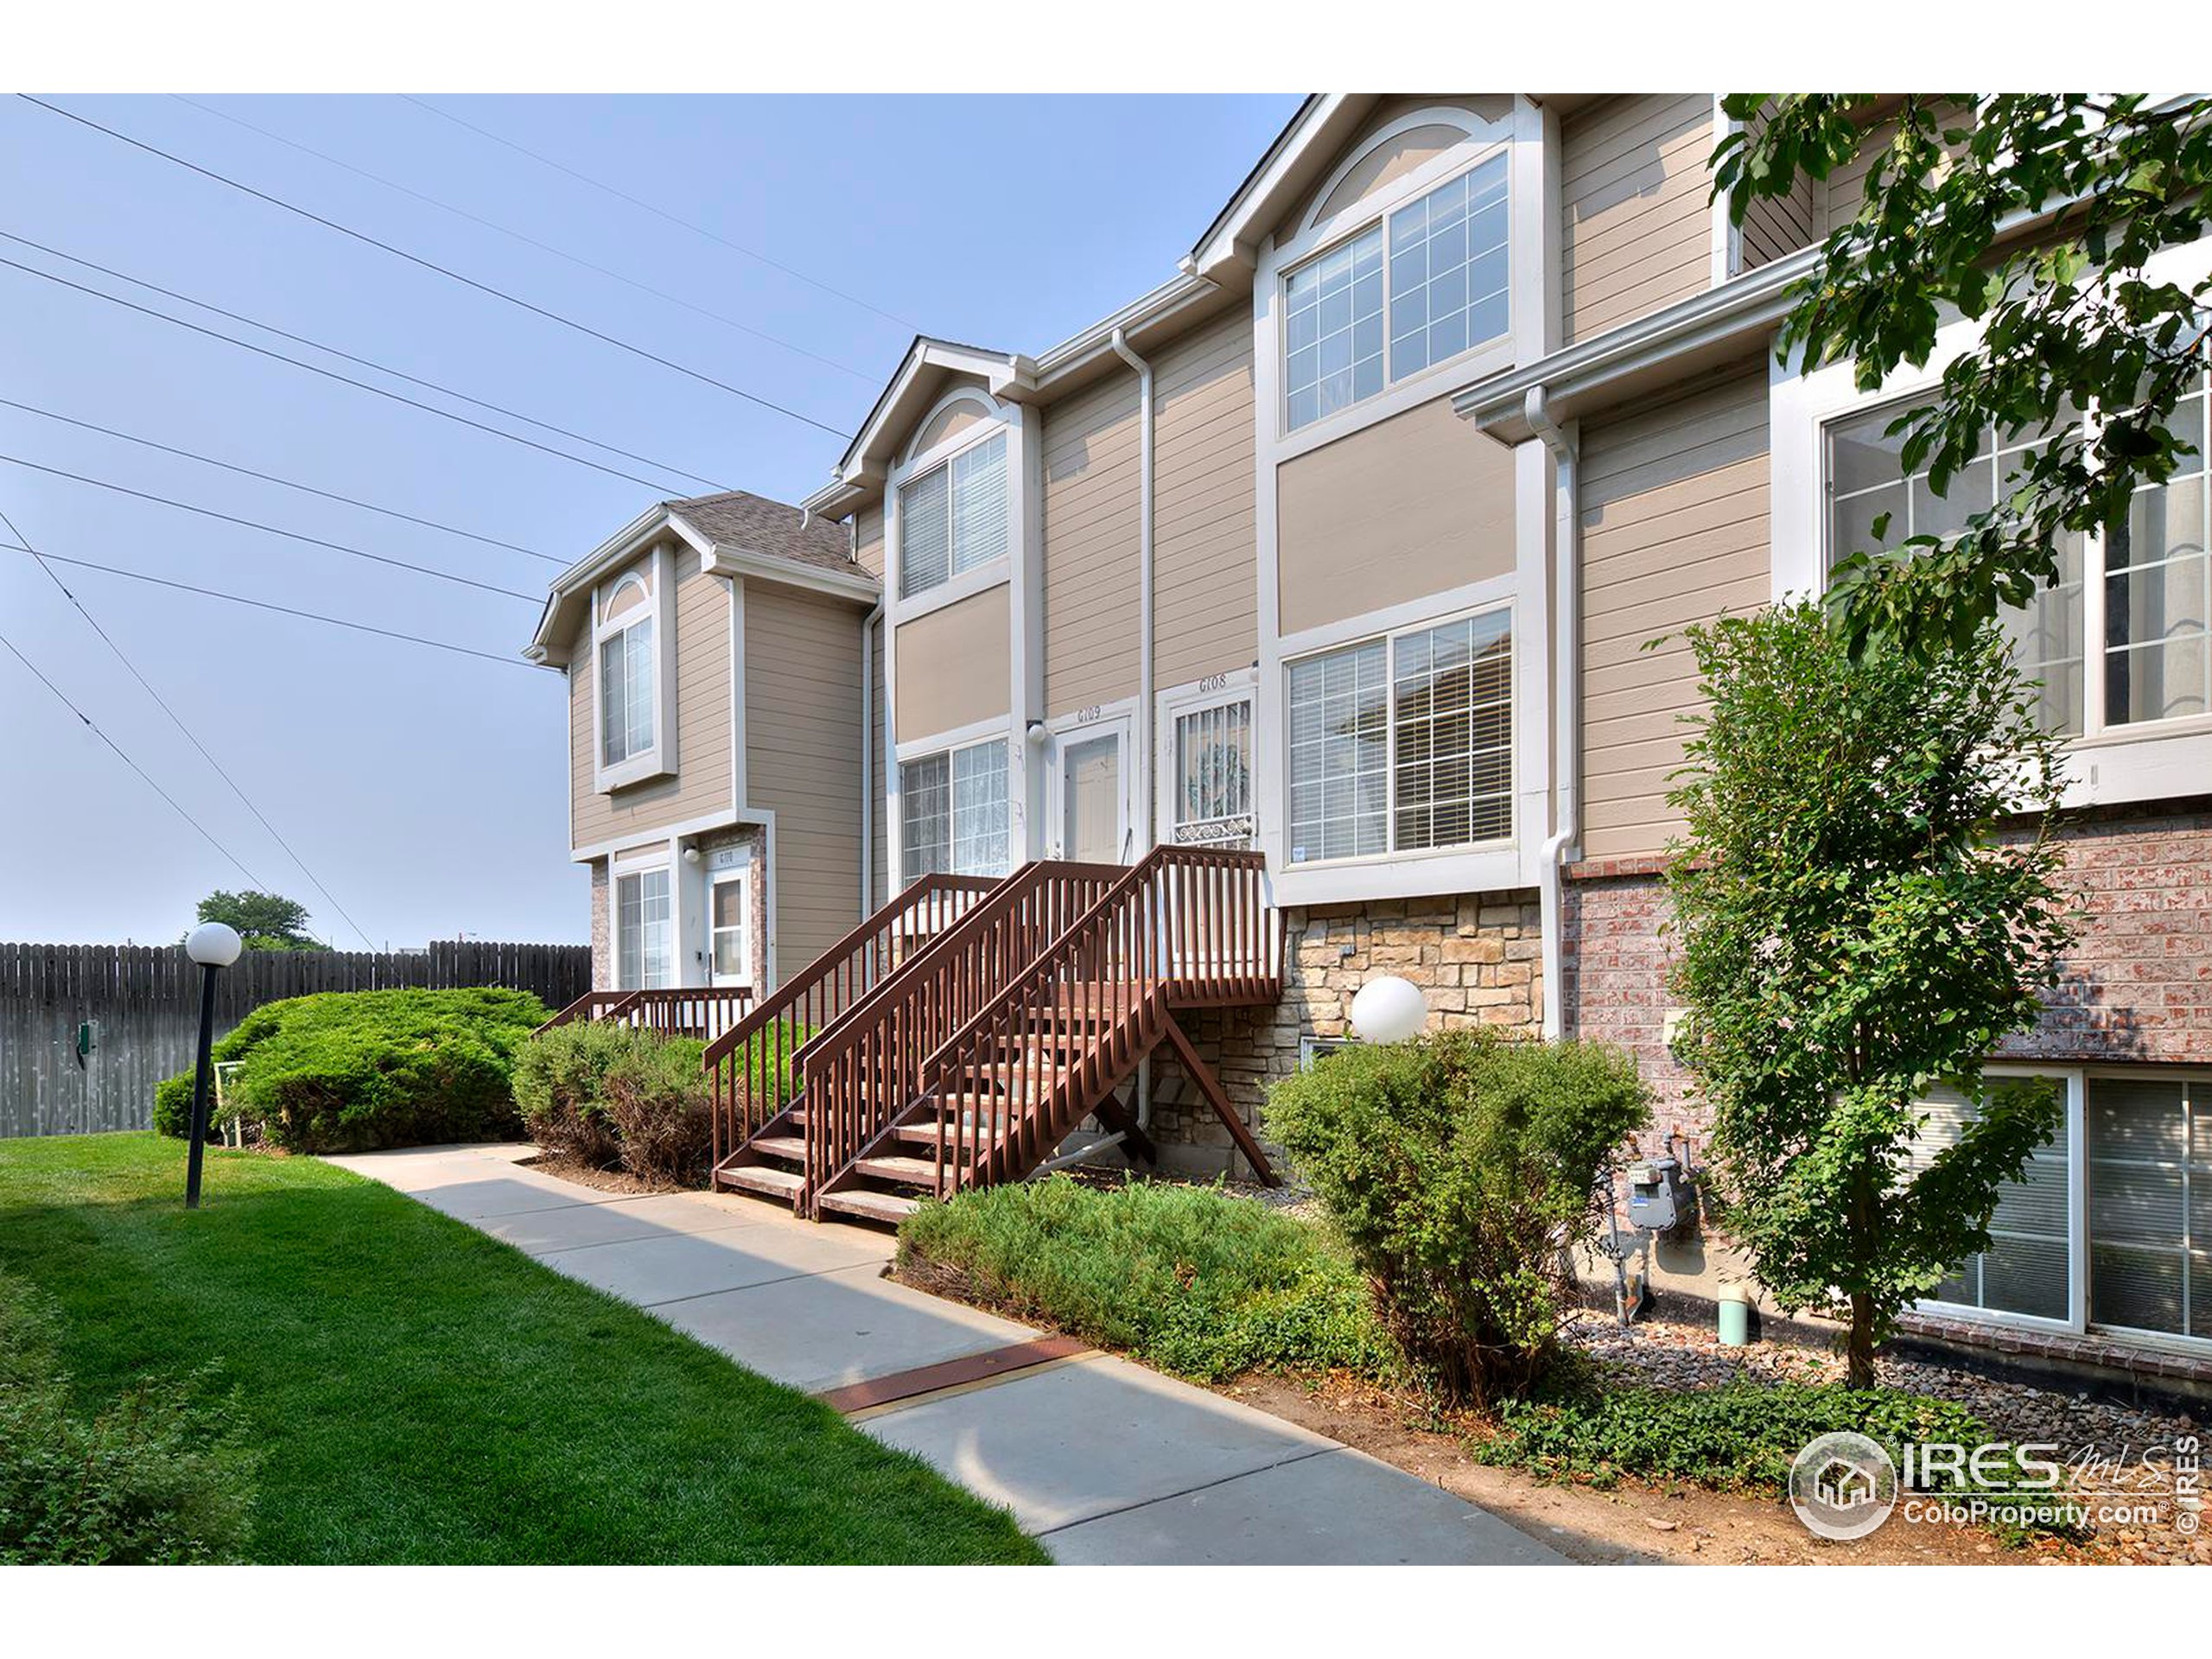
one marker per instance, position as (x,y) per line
(953,812)
(1403,743)
(1213,776)
(644,942)
(625,692)
(1437,288)
(2150,1170)
(953,518)
(2150,578)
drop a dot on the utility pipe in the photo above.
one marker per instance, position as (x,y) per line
(1143,741)
(1565,444)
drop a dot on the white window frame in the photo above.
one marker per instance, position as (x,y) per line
(2075,1080)
(1214,691)
(2139,761)
(658,864)
(947,744)
(655,577)
(958,584)
(1391,637)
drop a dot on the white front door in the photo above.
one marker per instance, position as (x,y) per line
(729,926)
(1092,809)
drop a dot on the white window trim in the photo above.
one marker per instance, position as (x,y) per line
(1531,309)
(996,730)
(2145,761)
(656,859)
(656,576)
(2075,1079)
(998,418)
(1338,636)
(1214,691)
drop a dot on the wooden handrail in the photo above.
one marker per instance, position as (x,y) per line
(592,1005)
(858,1077)
(749,1077)
(1183,924)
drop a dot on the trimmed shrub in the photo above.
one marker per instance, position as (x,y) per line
(1461,1169)
(160,1477)
(357,1071)
(557,1089)
(1190,1278)
(658,1101)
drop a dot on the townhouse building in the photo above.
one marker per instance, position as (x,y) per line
(1361,547)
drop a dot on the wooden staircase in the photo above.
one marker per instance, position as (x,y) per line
(977,1056)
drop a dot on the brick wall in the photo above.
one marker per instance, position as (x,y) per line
(2137,985)
(1477,958)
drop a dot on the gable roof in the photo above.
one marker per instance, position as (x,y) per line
(735,533)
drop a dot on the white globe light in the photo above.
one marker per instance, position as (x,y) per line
(1389,1009)
(214,944)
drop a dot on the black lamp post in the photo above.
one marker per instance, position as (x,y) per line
(214,946)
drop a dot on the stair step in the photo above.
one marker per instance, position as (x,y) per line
(876,1206)
(765,1179)
(918,1172)
(779,1146)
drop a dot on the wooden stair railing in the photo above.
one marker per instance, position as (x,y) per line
(1184,927)
(701,1011)
(748,1078)
(857,1076)
(592,1005)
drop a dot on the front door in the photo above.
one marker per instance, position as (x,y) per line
(730,926)
(1093,790)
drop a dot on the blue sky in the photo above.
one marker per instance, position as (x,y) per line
(425,789)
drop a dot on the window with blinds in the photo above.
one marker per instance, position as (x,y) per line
(953,519)
(2150,1173)
(2026,1269)
(954,818)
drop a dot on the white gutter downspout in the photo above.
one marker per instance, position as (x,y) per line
(1565,444)
(870,757)
(1143,758)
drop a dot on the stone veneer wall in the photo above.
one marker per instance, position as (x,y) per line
(602,929)
(1477,958)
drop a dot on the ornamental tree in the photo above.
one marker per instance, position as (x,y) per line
(2042,217)
(1853,932)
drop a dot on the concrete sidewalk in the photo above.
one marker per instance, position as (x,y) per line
(1103,1461)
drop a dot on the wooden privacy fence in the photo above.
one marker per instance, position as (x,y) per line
(143,1001)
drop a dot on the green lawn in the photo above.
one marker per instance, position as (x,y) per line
(423,1393)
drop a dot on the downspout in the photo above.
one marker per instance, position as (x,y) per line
(1143,743)
(1564,442)
(868,760)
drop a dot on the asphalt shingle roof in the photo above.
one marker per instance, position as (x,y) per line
(752,523)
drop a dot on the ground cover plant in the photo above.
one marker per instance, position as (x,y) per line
(357,1071)
(1190,1278)
(417,1391)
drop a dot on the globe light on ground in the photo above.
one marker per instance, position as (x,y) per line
(1389,1009)
(214,944)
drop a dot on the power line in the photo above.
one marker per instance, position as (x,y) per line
(265,605)
(447,271)
(529,241)
(146,777)
(663,214)
(331,374)
(177,721)
(272,478)
(271,529)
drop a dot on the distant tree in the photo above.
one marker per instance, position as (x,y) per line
(1853,932)
(2038,215)
(266,921)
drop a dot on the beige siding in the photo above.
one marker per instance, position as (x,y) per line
(1837,199)
(1638,231)
(952,666)
(867,540)
(1091,531)
(804,755)
(1775,226)
(1674,503)
(702,785)
(1205,580)
(1410,506)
